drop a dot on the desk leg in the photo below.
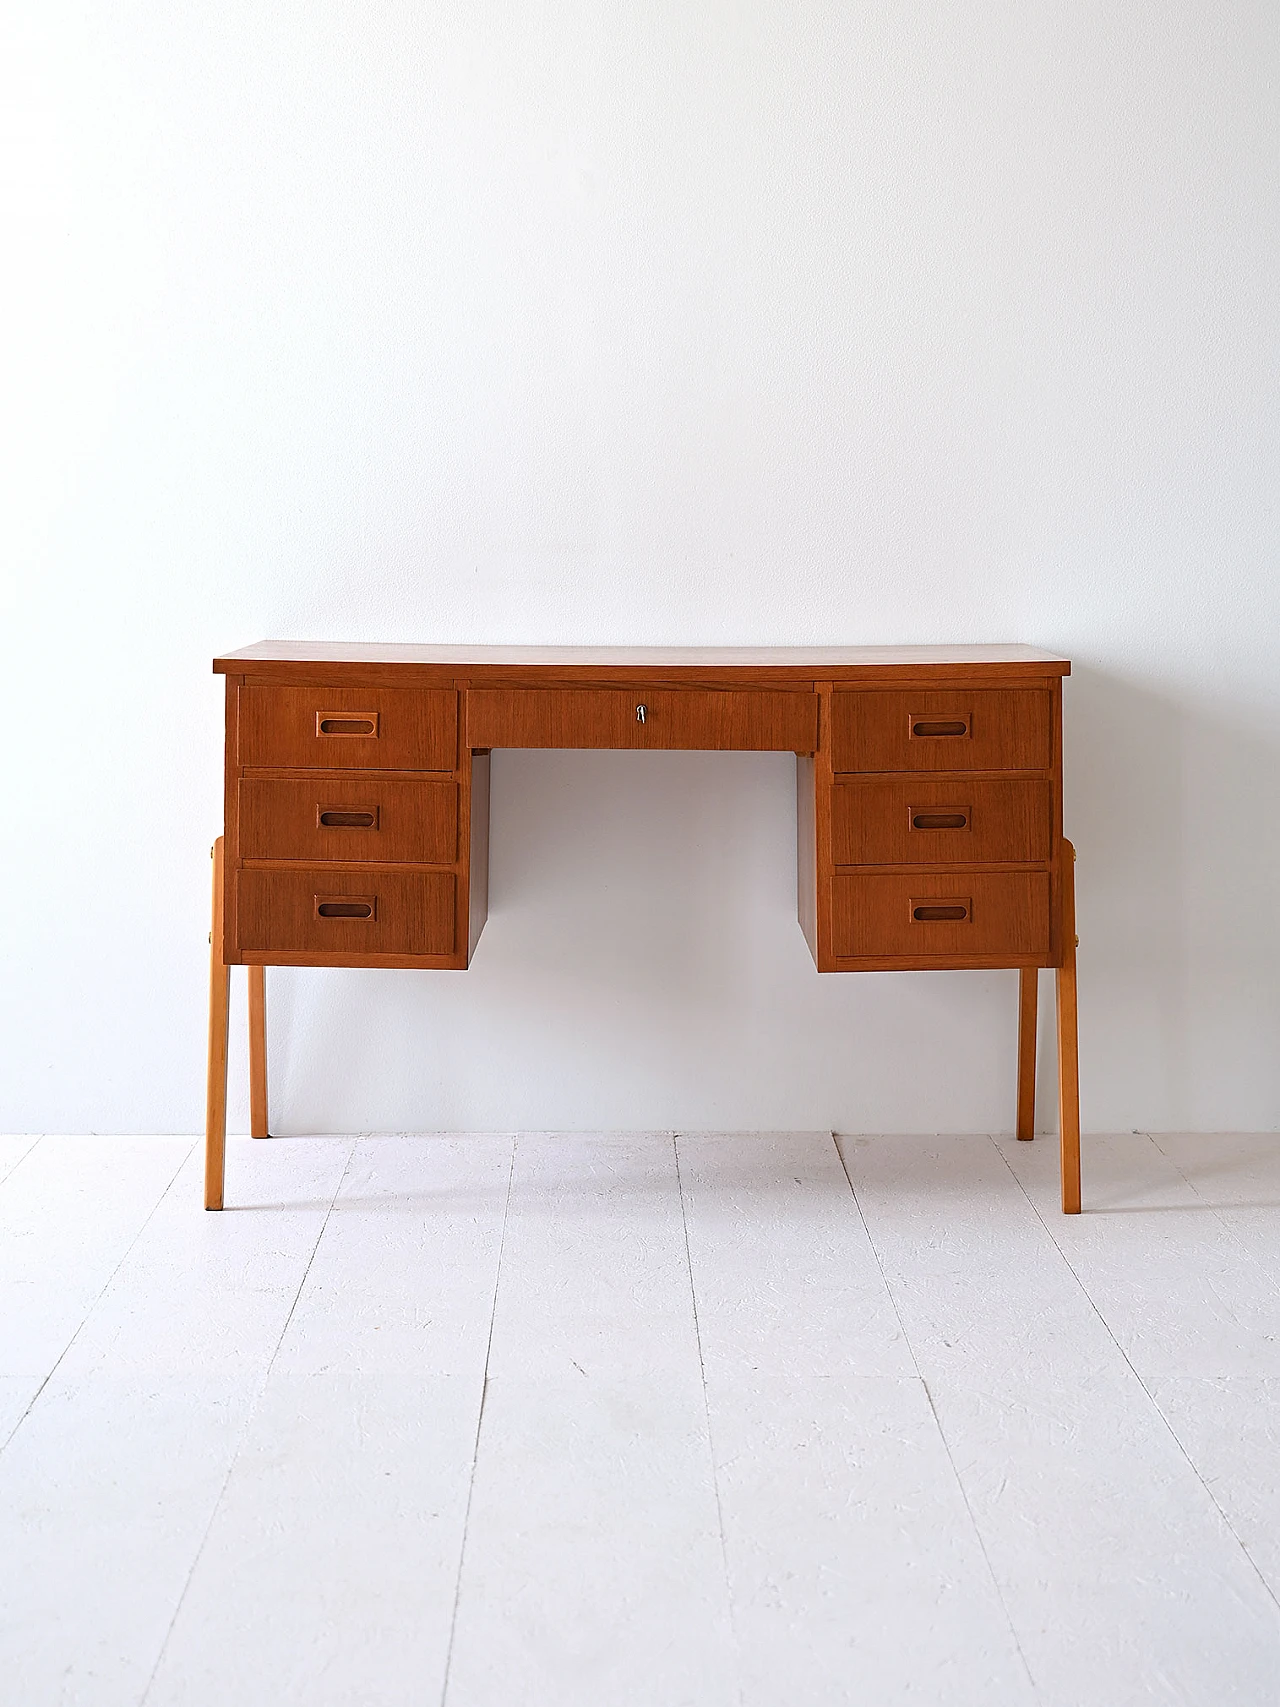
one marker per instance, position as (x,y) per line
(1068,1043)
(215,1127)
(258,1052)
(1028,985)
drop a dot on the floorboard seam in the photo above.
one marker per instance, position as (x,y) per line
(937,1423)
(99,1296)
(1216,1211)
(1129,1364)
(706,1411)
(19,1160)
(250,1412)
(475,1450)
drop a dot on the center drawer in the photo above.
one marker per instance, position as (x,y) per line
(345,910)
(679,718)
(327,817)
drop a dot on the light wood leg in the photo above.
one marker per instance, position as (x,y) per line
(1068,1043)
(215,1125)
(1028,983)
(258,1052)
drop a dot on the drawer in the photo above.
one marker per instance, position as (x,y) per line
(990,729)
(936,822)
(410,729)
(920,915)
(350,910)
(642,717)
(349,818)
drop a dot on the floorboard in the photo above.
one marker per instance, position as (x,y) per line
(1123,1580)
(841,1508)
(68,1215)
(593,1569)
(110,1483)
(1176,1287)
(1229,1426)
(1237,1175)
(1230,1430)
(13,1147)
(640,1421)
(351,1485)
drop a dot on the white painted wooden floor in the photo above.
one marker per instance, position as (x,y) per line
(640,1421)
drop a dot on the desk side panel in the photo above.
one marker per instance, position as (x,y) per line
(1058,944)
(230,817)
(477,890)
(807,852)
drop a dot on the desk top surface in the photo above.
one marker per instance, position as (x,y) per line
(812,661)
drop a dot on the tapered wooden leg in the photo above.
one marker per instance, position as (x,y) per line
(258,1052)
(215,1122)
(1028,982)
(1068,1043)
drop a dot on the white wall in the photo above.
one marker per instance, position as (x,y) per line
(640,321)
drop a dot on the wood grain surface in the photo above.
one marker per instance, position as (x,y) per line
(933,820)
(409,728)
(996,729)
(687,718)
(329,817)
(413,911)
(1007,914)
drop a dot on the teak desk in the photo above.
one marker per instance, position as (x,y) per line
(928,810)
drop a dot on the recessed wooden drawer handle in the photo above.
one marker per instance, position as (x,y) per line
(940,820)
(347,723)
(930,728)
(940,912)
(335,819)
(346,906)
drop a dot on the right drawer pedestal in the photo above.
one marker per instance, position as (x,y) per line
(934,828)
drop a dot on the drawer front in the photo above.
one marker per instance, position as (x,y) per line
(352,911)
(990,729)
(934,822)
(690,718)
(349,818)
(411,729)
(920,915)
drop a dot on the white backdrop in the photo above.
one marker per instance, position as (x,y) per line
(667,321)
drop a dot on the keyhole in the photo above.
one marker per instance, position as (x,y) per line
(642,711)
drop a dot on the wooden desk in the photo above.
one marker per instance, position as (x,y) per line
(928,809)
